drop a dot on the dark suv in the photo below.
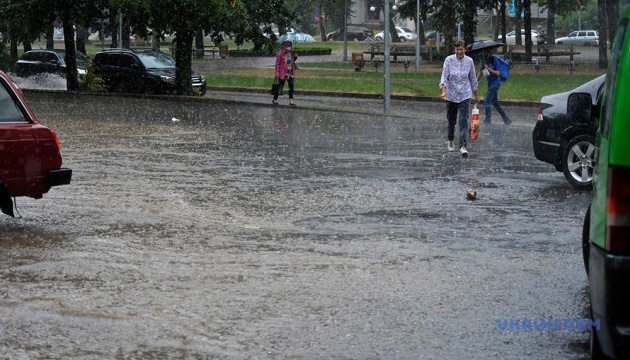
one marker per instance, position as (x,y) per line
(35,62)
(140,71)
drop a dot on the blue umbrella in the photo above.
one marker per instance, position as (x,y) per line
(296,37)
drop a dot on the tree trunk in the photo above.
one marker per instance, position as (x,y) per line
(183,60)
(503,26)
(612,17)
(469,21)
(72,76)
(603,34)
(113,20)
(50,36)
(447,11)
(518,8)
(528,30)
(199,44)
(82,37)
(551,24)
(126,33)
(392,29)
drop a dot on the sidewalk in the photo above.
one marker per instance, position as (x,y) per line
(421,108)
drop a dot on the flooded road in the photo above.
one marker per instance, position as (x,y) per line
(196,229)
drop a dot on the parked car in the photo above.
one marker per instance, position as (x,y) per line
(29,151)
(140,71)
(403,33)
(276,32)
(510,38)
(606,231)
(356,33)
(568,143)
(580,38)
(46,61)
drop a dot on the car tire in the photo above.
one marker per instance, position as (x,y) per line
(577,162)
(586,243)
(402,39)
(559,43)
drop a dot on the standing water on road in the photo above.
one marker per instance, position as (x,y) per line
(245,231)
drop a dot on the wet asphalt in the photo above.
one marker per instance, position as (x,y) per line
(228,228)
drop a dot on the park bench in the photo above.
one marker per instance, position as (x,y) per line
(516,53)
(206,50)
(374,49)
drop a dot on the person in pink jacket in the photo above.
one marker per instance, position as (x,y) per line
(285,70)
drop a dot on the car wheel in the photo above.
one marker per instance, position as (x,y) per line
(402,39)
(586,243)
(577,162)
(559,43)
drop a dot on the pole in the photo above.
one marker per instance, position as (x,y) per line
(386,39)
(418,37)
(345,30)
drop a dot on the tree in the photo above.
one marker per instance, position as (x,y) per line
(185,18)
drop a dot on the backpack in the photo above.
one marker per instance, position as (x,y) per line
(503,67)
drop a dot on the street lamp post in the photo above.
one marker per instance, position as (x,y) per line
(386,55)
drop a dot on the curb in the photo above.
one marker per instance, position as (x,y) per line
(360,95)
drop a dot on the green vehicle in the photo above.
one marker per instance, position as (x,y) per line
(606,232)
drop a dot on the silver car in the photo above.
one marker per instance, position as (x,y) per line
(580,38)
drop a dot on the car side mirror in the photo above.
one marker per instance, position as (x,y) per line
(580,108)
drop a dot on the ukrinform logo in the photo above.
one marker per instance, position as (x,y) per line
(547,324)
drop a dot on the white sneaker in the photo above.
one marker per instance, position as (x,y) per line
(451,145)
(463,150)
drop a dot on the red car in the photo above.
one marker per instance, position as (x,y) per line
(30,156)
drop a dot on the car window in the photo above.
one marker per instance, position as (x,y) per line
(50,57)
(127,61)
(611,76)
(573,34)
(582,34)
(105,59)
(9,109)
(28,56)
(156,60)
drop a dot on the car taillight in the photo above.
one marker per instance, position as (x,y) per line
(540,116)
(618,210)
(54,134)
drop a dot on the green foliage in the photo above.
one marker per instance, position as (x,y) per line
(91,82)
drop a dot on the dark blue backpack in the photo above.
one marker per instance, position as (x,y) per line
(503,67)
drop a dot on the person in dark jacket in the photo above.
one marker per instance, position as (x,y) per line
(285,70)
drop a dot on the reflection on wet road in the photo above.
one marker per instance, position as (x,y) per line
(246,231)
